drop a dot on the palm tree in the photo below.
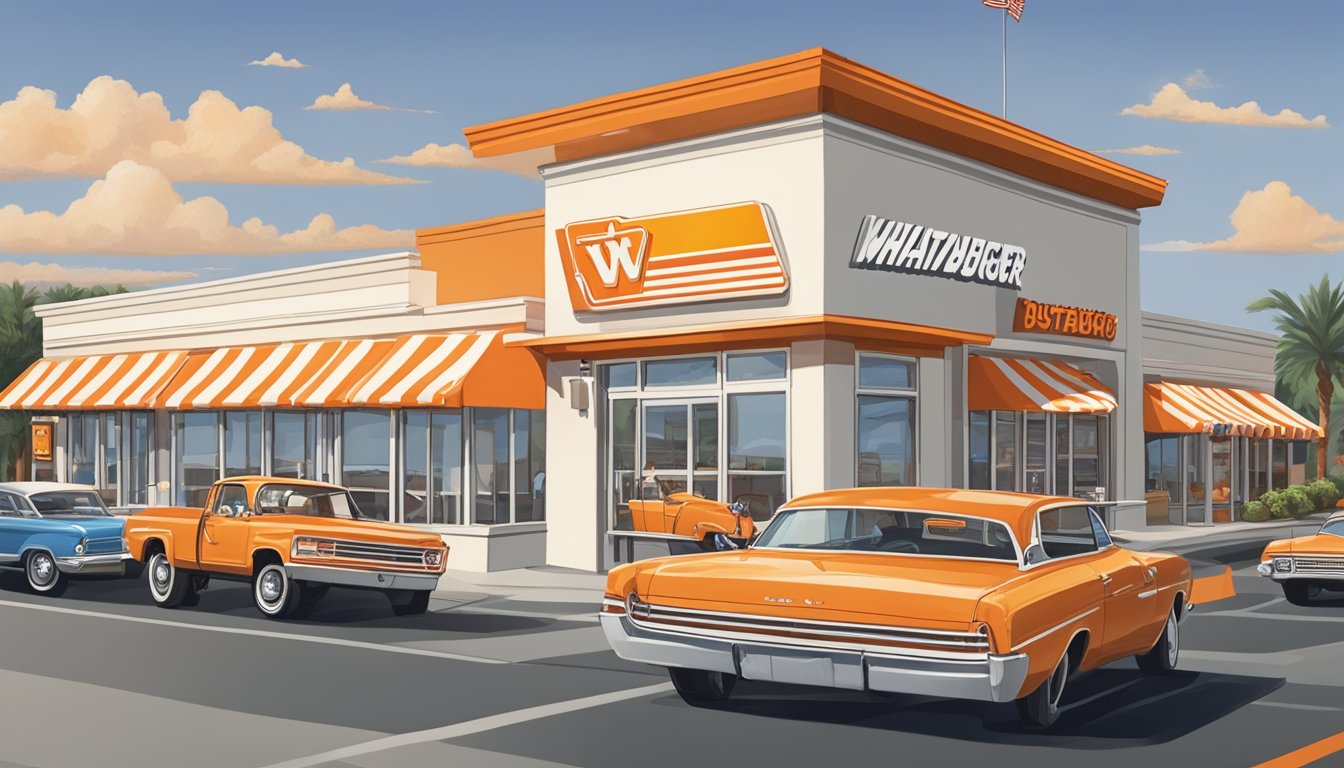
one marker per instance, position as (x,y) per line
(1311,344)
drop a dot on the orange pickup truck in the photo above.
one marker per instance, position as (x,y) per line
(292,539)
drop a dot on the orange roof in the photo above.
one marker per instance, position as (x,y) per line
(806,83)
(880,335)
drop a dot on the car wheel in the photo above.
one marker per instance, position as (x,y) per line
(1162,658)
(413,604)
(274,593)
(167,586)
(1040,708)
(44,578)
(699,687)
(1299,592)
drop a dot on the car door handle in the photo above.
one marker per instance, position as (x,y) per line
(205,529)
(1105,578)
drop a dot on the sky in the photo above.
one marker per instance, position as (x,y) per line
(156,142)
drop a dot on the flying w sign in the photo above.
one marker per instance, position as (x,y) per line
(706,254)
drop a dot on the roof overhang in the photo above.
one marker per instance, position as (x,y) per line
(804,83)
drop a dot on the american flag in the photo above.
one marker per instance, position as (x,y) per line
(1014,7)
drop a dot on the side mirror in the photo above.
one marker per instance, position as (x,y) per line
(737,508)
(1035,554)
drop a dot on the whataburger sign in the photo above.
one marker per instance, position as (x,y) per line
(706,254)
(895,246)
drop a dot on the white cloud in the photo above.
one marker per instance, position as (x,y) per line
(1272,220)
(136,211)
(276,60)
(1173,103)
(1197,79)
(344,99)
(36,274)
(457,156)
(109,122)
(1142,149)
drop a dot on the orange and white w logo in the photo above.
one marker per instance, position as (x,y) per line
(616,251)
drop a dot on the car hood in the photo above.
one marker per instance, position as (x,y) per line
(1320,544)
(841,586)
(335,527)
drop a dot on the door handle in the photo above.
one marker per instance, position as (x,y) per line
(1105,578)
(205,529)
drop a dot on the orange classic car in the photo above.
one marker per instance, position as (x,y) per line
(981,595)
(1307,565)
(714,524)
(292,539)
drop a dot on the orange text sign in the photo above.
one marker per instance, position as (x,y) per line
(673,258)
(42,440)
(1039,317)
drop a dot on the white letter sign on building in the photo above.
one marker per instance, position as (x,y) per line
(895,246)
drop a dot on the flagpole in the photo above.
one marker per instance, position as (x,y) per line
(1005,63)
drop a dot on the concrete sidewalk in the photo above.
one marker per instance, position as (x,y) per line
(1219,534)
(562,592)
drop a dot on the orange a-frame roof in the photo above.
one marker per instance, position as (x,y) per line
(804,83)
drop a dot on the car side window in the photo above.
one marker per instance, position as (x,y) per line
(1099,530)
(232,501)
(1067,531)
(8,507)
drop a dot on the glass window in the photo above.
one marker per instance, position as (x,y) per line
(979,450)
(886,372)
(232,501)
(757,445)
(757,366)
(314,501)
(529,461)
(1005,451)
(294,444)
(242,443)
(78,503)
(490,444)
(892,531)
(620,376)
(1334,527)
(111,458)
(1087,439)
(83,430)
(1036,460)
(415,467)
(1099,531)
(1297,462)
(445,449)
(1067,531)
(886,440)
(196,465)
(365,451)
(625,473)
(681,372)
(137,458)
(1279,463)
(8,506)
(1063,483)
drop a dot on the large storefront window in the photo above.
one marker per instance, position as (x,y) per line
(1037,452)
(756,441)
(432,462)
(111,440)
(195,456)
(242,443)
(886,420)
(137,458)
(490,444)
(365,453)
(83,436)
(111,452)
(294,444)
(529,462)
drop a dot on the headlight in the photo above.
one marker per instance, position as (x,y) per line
(1283,564)
(433,557)
(309,547)
(82,546)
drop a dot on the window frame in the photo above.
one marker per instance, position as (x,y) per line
(1036,532)
(911,394)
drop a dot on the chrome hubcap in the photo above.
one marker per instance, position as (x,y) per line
(162,574)
(42,569)
(270,587)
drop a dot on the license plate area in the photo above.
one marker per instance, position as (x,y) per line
(801,667)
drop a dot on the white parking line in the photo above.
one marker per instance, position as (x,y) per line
(254,633)
(1289,705)
(458,730)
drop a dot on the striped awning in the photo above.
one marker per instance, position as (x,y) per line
(1186,408)
(453,370)
(1013,384)
(95,382)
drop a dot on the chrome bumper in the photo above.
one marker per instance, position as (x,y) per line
(988,678)
(1267,569)
(112,563)
(346,577)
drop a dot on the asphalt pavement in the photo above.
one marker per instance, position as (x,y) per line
(102,678)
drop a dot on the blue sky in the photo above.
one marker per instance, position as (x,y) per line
(1073,66)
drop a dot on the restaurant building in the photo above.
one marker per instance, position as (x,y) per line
(794,275)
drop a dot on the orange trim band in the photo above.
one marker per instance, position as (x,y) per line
(806,83)
(880,335)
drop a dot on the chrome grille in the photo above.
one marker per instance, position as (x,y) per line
(106,545)
(381,553)
(1333,565)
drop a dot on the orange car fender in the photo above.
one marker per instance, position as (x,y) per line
(1279,547)
(137,540)
(279,542)
(1041,613)
(621,580)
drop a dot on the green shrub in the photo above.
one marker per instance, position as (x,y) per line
(1299,503)
(1338,482)
(1323,493)
(1254,512)
(1277,504)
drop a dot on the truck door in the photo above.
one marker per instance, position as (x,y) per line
(224,530)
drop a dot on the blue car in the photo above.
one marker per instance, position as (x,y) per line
(54,530)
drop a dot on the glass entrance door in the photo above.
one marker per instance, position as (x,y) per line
(679,443)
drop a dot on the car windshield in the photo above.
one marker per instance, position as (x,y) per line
(69,504)
(891,531)
(314,501)
(1334,527)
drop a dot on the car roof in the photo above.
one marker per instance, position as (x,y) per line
(39,486)
(1017,510)
(258,480)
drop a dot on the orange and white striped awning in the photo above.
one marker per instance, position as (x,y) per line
(453,370)
(1169,407)
(95,382)
(304,374)
(1012,384)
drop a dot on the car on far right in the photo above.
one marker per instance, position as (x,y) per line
(1304,566)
